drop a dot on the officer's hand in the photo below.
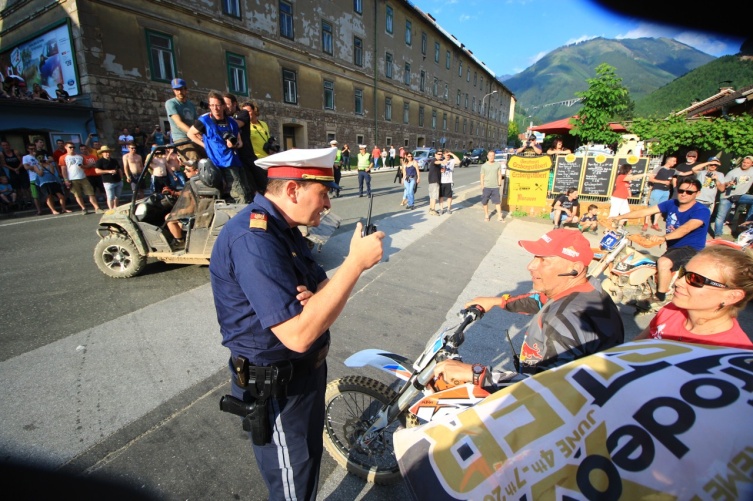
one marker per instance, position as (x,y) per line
(303,294)
(365,251)
(454,372)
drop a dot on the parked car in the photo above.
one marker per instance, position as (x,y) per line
(500,156)
(421,155)
(478,156)
(593,149)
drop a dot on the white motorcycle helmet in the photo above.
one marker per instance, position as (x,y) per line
(745,239)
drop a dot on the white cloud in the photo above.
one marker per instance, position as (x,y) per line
(704,43)
(464,18)
(538,56)
(581,38)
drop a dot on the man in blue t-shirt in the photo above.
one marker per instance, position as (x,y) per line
(220,137)
(687,224)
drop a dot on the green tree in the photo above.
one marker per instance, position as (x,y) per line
(606,100)
(512,133)
(732,135)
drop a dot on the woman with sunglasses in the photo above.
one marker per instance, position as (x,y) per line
(411,177)
(709,293)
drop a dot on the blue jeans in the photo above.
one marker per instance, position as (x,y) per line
(725,204)
(408,194)
(364,176)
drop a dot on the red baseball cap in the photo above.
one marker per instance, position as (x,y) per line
(567,244)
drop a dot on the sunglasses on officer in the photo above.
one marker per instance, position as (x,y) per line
(698,281)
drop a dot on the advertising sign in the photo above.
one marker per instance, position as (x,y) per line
(528,180)
(644,420)
(46,59)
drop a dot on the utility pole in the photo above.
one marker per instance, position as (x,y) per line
(487,113)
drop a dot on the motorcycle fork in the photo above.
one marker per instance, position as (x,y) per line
(391,411)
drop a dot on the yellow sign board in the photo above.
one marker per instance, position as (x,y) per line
(528,178)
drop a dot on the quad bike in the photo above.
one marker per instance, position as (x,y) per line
(135,232)
(362,413)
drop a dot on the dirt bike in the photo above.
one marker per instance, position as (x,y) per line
(362,413)
(631,274)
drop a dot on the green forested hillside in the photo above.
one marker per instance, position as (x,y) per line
(644,64)
(732,71)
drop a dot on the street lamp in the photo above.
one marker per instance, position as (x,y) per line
(487,111)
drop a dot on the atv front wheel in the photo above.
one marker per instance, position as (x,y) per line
(117,256)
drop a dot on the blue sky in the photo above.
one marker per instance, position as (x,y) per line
(511,35)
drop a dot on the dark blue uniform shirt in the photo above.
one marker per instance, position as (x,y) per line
(254,274)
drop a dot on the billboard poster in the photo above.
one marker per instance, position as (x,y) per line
(46,59)
(646,420)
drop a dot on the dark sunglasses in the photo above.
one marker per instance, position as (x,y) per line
(698,281)
(687,192)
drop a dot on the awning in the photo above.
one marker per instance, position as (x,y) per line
(563,126)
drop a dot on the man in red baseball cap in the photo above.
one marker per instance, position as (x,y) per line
(572,316)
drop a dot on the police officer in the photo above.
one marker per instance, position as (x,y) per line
(275,306)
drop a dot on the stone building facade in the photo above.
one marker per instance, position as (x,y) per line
(372,71)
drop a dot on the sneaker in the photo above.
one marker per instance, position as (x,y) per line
(593,232)
(644,227)
(410,207)
(84,212)
(99,211)
(432,212)
(655,227)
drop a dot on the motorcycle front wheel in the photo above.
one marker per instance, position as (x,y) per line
(352,404)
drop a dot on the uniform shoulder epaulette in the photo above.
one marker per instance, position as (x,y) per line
(258,220)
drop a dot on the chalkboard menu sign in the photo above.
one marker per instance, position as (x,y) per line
(596,180)
(566,174)
(639,168)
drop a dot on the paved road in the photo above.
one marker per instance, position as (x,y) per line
(120,380)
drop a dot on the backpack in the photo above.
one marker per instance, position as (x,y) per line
(209,174)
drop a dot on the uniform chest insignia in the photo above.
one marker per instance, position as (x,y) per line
(258,220)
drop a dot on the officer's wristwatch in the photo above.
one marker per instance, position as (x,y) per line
(479,371)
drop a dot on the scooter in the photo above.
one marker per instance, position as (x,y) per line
(466,161)
(362,413)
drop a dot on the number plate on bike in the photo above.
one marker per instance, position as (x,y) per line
(609,241)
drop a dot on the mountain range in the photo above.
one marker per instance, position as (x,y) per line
(546,89)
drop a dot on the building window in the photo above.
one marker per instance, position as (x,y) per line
(436,52)
(388,65)
(433,119)
(406,74)
(286,20)
(457,99)
(359,102)
(481,82)
(465,125)
(475,75)
(358,6)
(435,88)
(390,19)
(161,57)
(289,87)
(446,92)
(327,47)
(466,100)
(231,8)
(420,116)
(473,105)
(460,68)
(329,95)
(468,74)
(236,73)
(457,123)
(408,33)
(444,121)
(447,60)
(424,41)
(357,51)
(388,109)
(422,81)
(406,113)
